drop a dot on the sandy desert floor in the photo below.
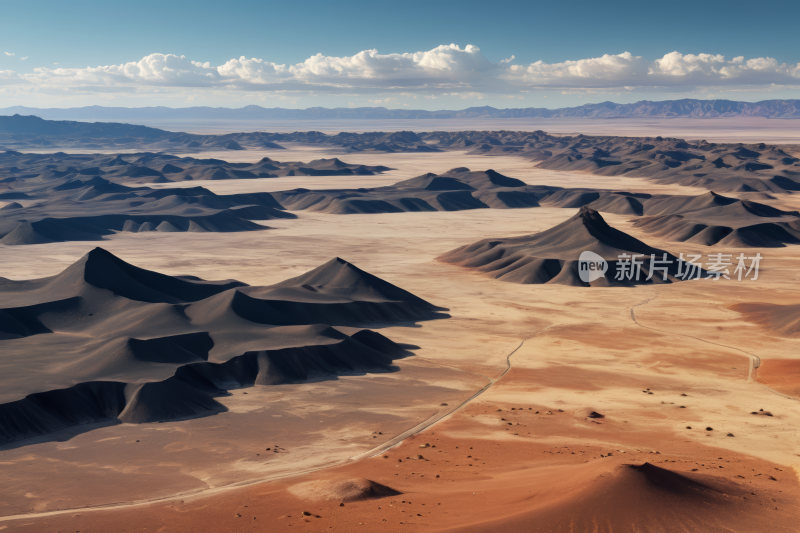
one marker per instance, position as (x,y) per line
(674,370)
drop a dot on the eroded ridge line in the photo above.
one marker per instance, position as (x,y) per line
(199,493)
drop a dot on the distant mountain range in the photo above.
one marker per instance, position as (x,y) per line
(644,109)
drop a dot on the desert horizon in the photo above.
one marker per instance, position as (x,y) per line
(367,281)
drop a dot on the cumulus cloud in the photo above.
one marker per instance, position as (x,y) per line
(471,95)
(23,58)
(9,77)
(695,69)
(672,70)
(608,69)
(446,70)
(389,100)
(9,53)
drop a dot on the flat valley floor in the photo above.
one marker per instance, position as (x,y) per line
(675,371)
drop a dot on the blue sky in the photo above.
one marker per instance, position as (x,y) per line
(62,54)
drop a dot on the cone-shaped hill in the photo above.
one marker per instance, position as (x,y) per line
(433,182)
(644,497)
(461,178)
(344,281)
(455,190)
(551,256)
(101,270)
(105,339)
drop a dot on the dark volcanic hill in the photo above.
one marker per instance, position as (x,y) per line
(63,197)
(723,167)
(455,190)
(89,208)
(708,219)
(105,340)
(712,219)
(551,256)
(33,133)
(18,168)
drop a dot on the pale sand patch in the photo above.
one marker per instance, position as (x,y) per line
(740,129)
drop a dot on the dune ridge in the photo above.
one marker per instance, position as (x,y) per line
(638,497)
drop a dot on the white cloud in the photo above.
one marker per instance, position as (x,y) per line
(446,70)
(606,69)
(468,95)
(389,100)
(673,69)
(9,77)
(9,53)
(23,58)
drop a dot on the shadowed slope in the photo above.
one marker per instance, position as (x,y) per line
(339,278)
(781,319)
(712,219)
(640,498)
(552,255)
(106,340)
(103,270)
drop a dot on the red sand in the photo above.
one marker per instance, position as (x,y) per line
(497,480)
(783,375)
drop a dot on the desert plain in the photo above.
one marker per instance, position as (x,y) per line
(526,407)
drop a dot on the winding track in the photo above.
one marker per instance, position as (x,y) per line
(755,361)
(391,443)
(197,493)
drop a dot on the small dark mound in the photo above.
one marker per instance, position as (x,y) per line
(276,146)
(170,169)
(347,490)
(14,195)
(673,482)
